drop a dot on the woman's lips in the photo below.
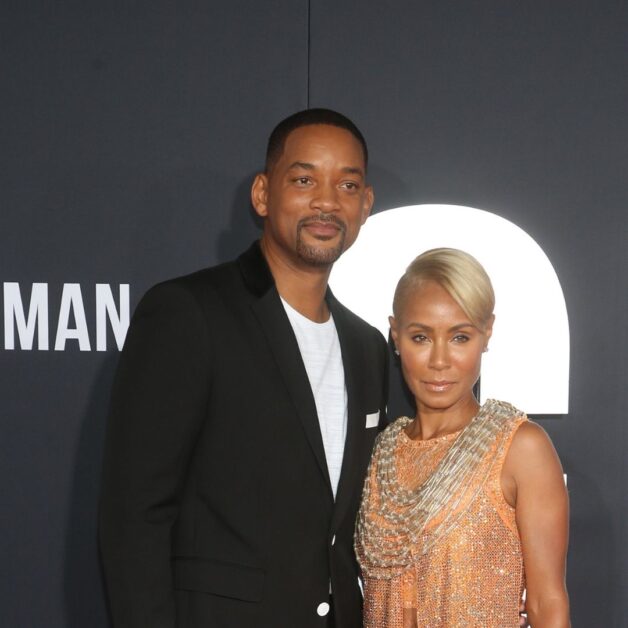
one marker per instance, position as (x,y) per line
(438,386)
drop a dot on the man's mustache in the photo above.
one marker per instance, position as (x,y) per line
(322,218)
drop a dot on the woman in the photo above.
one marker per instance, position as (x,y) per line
(464,506)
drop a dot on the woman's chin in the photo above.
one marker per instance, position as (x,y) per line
(442,400)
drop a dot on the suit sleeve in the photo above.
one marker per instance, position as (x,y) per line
(157,408)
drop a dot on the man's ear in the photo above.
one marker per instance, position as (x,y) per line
(259,194)
(369,198)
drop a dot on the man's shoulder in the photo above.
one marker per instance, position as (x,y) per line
(196,283)
(211,275)
(204,291)
(224,276)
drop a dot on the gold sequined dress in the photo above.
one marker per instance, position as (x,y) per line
(465,568)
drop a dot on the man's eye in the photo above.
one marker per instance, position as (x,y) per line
(301,180)
(350,185)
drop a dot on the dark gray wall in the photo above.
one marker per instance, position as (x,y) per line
(129,137)
(520,109)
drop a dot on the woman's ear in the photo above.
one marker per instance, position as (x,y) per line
(393,331)
(488,332)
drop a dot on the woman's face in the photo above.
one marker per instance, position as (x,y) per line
(440,349)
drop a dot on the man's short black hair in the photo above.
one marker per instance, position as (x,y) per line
(280,133)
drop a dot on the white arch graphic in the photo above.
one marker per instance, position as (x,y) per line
(528,362)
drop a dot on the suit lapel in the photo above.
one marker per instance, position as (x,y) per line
(283,344)
(352,355)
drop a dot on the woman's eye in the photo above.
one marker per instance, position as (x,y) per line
(461,338)
(419,338)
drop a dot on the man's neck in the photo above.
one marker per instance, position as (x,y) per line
(302,286)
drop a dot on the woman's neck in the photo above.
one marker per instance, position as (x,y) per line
(434,422)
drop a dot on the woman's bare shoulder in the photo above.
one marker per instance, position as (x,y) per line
(530,449)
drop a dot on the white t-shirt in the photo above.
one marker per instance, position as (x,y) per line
(320,350)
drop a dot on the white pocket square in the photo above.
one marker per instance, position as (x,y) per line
(372,420)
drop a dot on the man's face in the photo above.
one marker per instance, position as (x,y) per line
(314,199)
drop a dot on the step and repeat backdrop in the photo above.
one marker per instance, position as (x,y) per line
(130,135)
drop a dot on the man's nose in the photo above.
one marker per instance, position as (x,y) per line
(326,198)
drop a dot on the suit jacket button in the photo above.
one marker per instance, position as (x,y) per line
(333,539)
(322,609)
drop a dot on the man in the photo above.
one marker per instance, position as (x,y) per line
(244,412)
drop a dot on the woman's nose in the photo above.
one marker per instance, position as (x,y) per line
(439,356)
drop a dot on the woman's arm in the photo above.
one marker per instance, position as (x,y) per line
(532,482)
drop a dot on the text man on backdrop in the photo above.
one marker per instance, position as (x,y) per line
(244,411)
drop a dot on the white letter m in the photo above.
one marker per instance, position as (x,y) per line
(37,316)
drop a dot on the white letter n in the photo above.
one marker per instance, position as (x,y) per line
(106,308)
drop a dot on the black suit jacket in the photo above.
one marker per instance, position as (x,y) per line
(217,509)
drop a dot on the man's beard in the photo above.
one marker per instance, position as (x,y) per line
(320,256)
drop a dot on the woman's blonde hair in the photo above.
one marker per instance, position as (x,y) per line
(460,274)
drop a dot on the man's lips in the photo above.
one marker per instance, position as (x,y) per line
(323,228)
